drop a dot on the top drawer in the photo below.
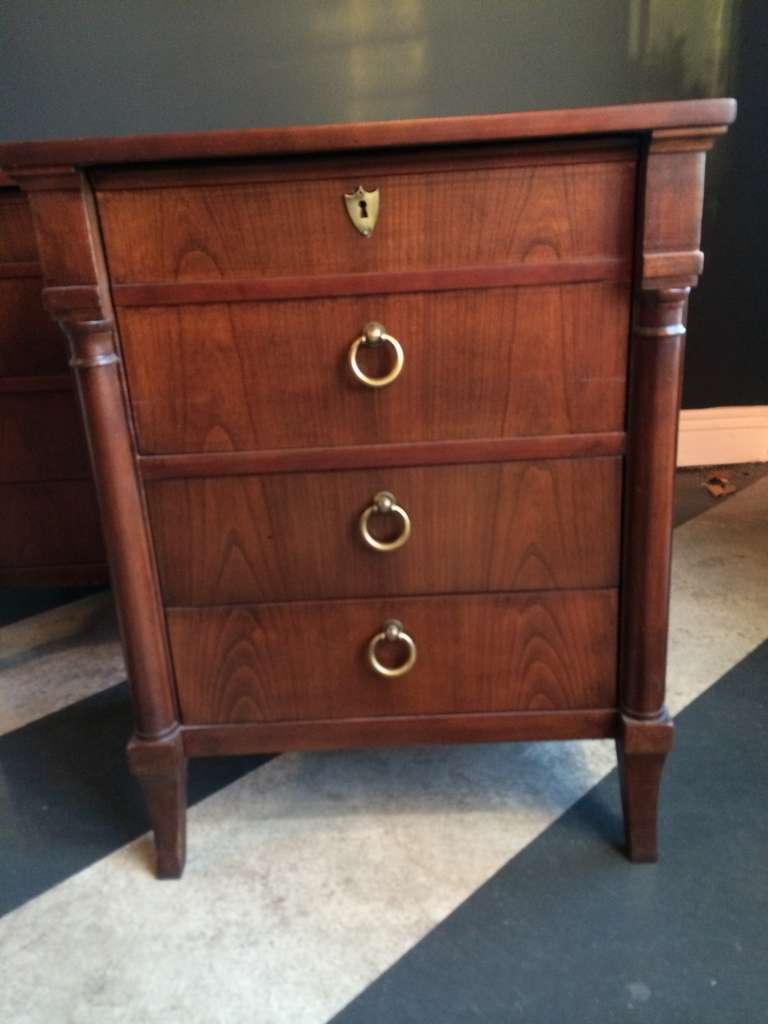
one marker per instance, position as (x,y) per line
(439,209)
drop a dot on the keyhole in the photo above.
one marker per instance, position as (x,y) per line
(363,209)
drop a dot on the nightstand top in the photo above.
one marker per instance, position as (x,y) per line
(280,141)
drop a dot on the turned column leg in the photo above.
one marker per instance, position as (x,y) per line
(161,768)
(645,733)
(76,293)
(642,747)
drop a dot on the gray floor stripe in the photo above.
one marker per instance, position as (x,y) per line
(22,602)
(569,931)
(67,799)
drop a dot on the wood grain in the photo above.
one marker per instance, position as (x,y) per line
(516,526)
(230,389)
(641,749)
(17,237)
(41,437)
(503,214)
(313,286)
(25,268)
(161,768)
(672,216)
(73,269)
(30,343)
(31,383)
(511,652)
(319,166)
(575,121)
(397,730)
(133,572)
(413,453)
(658,349)
(478,364)
(49,529)
(49,523)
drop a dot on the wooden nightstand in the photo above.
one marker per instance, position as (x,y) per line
(383,420)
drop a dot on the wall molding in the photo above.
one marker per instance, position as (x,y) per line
(723,436)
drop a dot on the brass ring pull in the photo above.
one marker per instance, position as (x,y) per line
(374,334)
(384,504)
(392,631)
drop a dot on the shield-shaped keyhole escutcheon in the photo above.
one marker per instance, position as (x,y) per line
(363,209)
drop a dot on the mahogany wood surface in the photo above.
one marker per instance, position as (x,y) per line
(49,523)
(292,662)
(626,117)
(387,731)
(478,364)
(41,437)
(16,268)
(452,217)
(73,270)
(425,453)
(233,458)
(436,279)
(514,526)
(31,383)
(49,533)
(336,163)
(668,218)
(17,236)
(132,565)
(31,344)
(655,399)
(161,768)
(79,574)
(642,749)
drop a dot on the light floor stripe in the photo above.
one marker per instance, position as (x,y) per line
(51,660)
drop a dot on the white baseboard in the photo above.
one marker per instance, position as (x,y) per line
(721,437)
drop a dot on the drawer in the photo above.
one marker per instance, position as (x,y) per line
(490,363)
(41,437)
(209,224)
(30,342)
(51,524)
(293,662)
(483,527)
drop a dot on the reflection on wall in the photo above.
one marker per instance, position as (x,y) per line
(381,51)
(685,46)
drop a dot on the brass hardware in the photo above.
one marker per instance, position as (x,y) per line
(363,209)
(392,631)
(384,504)
(374,334)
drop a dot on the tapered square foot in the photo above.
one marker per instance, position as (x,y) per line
(161,768)
(642,747)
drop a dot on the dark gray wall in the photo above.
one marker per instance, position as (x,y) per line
(109,67)
(727,360)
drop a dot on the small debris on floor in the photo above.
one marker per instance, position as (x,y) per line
(719,485)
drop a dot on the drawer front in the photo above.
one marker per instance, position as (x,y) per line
(30,342)
(293,662)
(487,527)
(477,364)
(49,524)
(507,209)
(41,437)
